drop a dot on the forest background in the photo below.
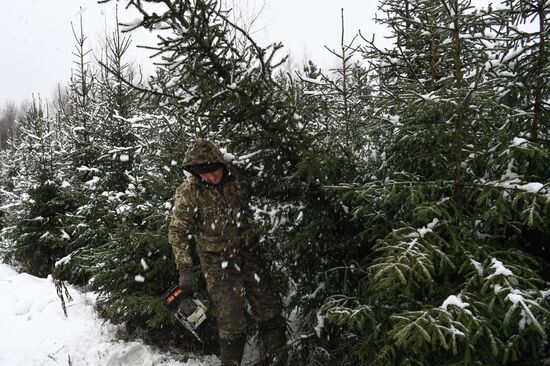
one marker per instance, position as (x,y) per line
(403,196)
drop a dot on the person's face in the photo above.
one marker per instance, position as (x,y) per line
(214,177)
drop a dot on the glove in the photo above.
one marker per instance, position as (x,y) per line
(188,281)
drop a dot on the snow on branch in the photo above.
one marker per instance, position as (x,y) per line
(406,259)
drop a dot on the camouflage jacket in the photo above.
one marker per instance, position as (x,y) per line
(212,216)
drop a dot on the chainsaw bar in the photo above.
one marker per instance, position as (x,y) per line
(187,325)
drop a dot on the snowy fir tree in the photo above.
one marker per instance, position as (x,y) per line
(450,278)
(37,220)
(9,166)
(402,197)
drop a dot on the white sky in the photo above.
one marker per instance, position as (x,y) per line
(37,41)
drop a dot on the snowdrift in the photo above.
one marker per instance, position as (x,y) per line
(34,330)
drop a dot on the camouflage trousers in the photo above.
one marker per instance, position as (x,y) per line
(232,280)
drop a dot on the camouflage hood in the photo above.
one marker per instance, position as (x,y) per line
(202,152)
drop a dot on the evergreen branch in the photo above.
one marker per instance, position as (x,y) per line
(259,51)
(137,87)
(204,45)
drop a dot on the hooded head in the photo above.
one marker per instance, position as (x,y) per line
(203,154)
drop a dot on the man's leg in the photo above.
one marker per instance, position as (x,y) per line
(266,308)
(226,290)
(231,351)
(273,334)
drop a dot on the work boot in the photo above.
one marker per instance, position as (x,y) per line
(273,334)
(231,352)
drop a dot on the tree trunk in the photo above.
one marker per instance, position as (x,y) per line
(459,123)
(539,83)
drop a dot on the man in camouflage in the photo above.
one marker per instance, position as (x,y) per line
(211,208)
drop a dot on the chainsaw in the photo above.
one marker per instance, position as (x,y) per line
(190,311)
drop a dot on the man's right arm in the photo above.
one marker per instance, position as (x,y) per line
(182,225)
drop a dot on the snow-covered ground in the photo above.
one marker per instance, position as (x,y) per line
(34,331)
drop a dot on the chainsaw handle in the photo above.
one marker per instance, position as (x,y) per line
(172,298)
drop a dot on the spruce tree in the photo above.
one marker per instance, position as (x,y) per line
(333,108)
(223,82)
(447,281)
(77,109)
(38,236)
